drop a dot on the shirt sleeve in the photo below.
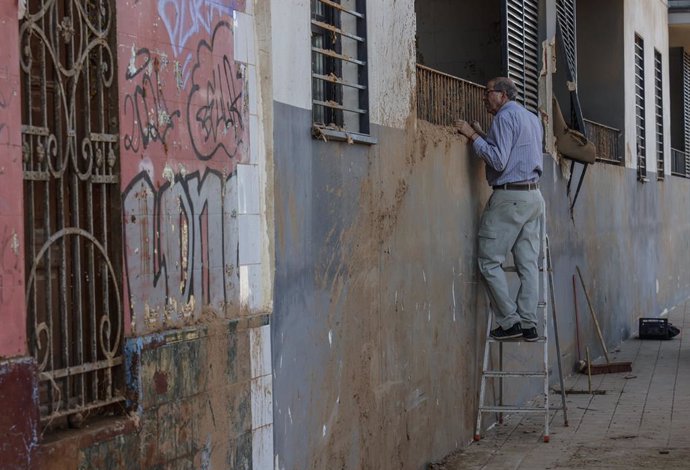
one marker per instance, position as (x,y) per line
(495,149)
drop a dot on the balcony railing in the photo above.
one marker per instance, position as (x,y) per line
(605,139)
(679,163)
(443,98)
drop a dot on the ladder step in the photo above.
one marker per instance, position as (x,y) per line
(518,409)
(541,339)
(502,373)
(513,269)
(513,409)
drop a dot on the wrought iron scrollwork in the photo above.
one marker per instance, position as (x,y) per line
(71,166)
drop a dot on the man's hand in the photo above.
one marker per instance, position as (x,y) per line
(478,129)
(464,128)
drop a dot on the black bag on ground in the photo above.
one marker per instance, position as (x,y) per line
(656,328)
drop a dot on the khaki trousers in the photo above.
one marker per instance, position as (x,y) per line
(512,222)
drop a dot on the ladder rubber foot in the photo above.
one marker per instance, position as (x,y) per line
(546,439)
(477,437)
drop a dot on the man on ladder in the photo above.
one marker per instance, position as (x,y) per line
(512,151)
(514,220)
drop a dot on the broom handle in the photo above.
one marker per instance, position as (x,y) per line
(594,317)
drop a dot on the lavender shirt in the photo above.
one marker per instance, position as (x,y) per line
(512,149)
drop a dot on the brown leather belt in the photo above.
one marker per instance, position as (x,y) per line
(518,186)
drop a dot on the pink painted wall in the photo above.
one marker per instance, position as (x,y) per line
(183,129)
(12,306)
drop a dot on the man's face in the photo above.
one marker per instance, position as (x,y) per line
(493,99)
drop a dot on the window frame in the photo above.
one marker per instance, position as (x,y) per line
(326,72)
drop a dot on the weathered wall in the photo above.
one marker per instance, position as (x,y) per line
(12,306)
(195,405)
(197,257)
(379,313)
(643,17)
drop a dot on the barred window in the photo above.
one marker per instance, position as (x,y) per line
(340,93)
(659,114)
(640,125)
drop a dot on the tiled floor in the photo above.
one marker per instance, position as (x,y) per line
(642,421)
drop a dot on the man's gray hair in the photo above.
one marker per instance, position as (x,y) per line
(506,85)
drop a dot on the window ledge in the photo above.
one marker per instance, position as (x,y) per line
(326,134)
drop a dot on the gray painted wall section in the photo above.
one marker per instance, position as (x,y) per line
(379,312)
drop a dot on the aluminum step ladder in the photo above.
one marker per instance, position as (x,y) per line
(546,294)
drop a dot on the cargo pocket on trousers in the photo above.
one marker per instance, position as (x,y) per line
(487,243)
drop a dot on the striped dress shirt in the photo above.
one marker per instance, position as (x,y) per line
(512,149)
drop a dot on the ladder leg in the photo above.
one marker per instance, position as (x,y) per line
(500,381)
(485,367)
(555,333)
(544,297)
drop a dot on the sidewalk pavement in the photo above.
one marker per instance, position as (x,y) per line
(642,421)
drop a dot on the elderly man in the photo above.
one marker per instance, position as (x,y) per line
(512,151)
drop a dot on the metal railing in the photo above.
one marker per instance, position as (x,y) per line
(443,98)
(605,139)
(679,162)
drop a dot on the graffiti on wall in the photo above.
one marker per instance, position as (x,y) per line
(184,131)
(185,19)
(214,113)
(182,243)
(149,118)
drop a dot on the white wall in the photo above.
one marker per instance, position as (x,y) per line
(649,19)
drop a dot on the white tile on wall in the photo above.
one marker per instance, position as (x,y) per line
(250,238)
(257,150)
(245,50)
(251,294)
(260,351)
(248,189)
(254,138)
(262,401)
(262,448)
(291,37)
(252,90)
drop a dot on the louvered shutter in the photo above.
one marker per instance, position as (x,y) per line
(521,29)
(565,14)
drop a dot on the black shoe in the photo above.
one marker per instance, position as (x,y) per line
(513,332)
(530,334)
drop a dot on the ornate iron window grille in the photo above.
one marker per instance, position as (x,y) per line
(72,208)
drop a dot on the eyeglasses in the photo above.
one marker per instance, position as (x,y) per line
(486,92)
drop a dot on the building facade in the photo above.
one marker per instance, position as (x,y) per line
(242,233)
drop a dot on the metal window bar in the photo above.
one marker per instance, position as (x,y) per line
(640,124)
(71,193)
(443,98)
(605,139)
(659,114)
(686,111)
(328,80)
